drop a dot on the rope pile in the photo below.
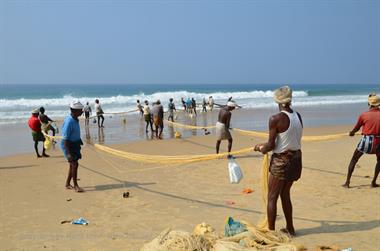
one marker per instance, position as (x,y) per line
(253,239)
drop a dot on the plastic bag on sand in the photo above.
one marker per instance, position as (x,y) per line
(233,227)
(234,171)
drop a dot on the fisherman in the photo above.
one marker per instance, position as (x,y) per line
(370,141)
(171,109)
(285,132)
(99,113)
(87,113)
(46,122)
(35,125)
(223,126)
(71,144)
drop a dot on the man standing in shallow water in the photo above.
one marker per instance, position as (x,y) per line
(71,143)
(285,132)
(370,142)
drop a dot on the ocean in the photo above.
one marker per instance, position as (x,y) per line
(320,105)
(16,101)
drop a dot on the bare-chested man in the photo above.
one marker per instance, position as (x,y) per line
(370,142)
(285,132)
(223,126)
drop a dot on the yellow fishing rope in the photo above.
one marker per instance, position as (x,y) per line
(263,134)
(264,190)
(51,137)
(161,159)
(188,126)
(304,138)
(113,113)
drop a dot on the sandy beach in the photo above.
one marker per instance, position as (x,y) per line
(34,200)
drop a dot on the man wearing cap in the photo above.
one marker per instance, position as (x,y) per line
(71,143)
(35,125)
(223,126)
(370,141)
(285,132)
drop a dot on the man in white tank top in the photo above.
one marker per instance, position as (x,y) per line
(285,132)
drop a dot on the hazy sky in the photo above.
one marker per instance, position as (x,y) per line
(115,41)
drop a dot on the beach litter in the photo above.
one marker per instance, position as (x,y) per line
(232,227)
(229,202)
(80,221)
(125,194)
(68,199)
(328,248)
(247,190)
(234,171)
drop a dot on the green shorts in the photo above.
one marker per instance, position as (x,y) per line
(38,136)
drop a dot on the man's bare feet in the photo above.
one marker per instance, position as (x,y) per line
(78,189)
(45,155)
(69,187)
(373,185)
(346,185)
(39,156)
(290,232)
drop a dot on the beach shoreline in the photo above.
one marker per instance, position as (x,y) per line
(16,138)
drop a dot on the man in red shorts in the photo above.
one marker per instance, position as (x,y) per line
(370,142)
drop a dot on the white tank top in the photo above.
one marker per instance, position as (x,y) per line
(291,138)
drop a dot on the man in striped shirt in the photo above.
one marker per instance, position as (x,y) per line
(369,121)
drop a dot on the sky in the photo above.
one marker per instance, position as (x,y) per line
(192,42)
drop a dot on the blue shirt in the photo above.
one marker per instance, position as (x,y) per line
(70,129)
(71,133)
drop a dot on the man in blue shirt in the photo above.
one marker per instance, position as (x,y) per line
(71,143)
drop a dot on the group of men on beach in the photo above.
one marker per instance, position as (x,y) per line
(155,116)
(285,133)
(88,112)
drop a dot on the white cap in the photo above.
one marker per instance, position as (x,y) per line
(231,104)
(36,111)
(76,105)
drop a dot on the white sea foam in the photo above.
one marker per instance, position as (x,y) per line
(12,110)
(122,100)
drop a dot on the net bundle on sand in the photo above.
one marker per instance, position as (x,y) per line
(205,238)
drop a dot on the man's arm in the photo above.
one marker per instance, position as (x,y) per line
(228,120)
(357,126)
(269,146)
(66,131)
(68,148)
